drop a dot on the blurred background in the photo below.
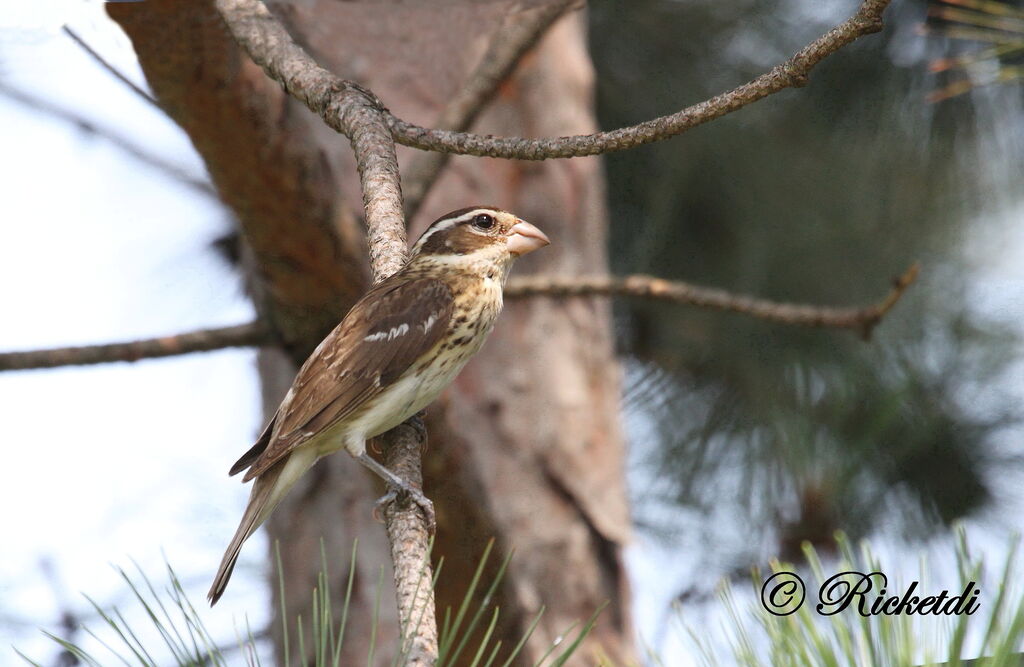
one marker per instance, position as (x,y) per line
(745,438)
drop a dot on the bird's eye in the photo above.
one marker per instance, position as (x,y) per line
(483,221)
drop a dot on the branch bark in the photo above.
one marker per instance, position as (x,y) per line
(790,74)
(862,319)
(204,340)
(407,533)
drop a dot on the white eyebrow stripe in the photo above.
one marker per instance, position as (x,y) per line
(391,334)
(448,224)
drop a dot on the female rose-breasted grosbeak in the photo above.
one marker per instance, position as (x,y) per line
(394,352)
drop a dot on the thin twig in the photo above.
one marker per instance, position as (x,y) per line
(792,73)
(105,64)
(509,44)
(126,145)
(860,319)
(204,340)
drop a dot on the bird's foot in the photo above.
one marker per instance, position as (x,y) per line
(416,496)
(382,502)
(397,486)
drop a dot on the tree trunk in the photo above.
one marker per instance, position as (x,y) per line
(526,446)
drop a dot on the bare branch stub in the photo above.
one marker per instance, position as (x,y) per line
(205,340)
(860,319)
(792,73)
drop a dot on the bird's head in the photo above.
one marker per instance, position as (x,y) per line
(478,234)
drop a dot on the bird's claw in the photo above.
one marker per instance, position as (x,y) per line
(382,502)
(415,495)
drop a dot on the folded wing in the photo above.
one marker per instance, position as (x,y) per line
(383,335)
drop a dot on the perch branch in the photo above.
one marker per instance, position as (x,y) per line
(407,533)
(506,49)
(204,340)
(792,73)
(861,319)
(359,115)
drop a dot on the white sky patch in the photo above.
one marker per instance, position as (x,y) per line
(119,462)
(43,18)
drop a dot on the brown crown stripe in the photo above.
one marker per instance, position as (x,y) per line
(462,212)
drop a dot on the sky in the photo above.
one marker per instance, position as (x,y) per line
(122,464)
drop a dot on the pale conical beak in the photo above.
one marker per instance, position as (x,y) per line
(525,238)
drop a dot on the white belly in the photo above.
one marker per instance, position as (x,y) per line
(417,389)
(405,398)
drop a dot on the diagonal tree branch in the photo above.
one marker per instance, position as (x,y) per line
(862,319)
(204,340)
(506,49)
(792,73)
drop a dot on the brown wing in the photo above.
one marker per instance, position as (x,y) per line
(254,452)
(391,327)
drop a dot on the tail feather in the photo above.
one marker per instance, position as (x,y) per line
(267,491)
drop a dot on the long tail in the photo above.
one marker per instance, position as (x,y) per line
(267,491)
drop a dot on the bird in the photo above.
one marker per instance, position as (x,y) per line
(397,348)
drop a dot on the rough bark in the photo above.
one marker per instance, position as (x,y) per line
(526,446)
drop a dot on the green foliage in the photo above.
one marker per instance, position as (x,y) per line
(753,637)
(817,195)
(807,639)
(186,642)
(998,27)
